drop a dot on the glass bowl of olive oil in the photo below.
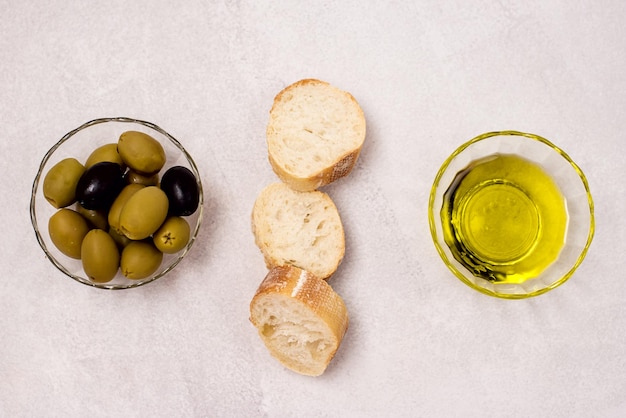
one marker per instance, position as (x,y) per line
(511,214)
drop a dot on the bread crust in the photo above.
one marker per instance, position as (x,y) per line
(341,168)
(341,165)
(301,286)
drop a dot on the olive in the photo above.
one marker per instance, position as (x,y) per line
(118,204)
(107,152)
(140,259)
(143,213)
(95,218)
(133,177)
(100,256)
(120,239)
(173,235)
(99,185)
(59,184)
(181,188)
(141,152)
(67,230)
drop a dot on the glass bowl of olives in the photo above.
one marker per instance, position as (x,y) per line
(116,203)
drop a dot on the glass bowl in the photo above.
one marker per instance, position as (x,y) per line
(79,143)
(511,214)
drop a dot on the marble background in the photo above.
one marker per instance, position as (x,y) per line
(429,75)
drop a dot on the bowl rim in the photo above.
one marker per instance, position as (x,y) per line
(433,222)
(131,284)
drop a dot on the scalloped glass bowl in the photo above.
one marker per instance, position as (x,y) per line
(79,143)
(572,184)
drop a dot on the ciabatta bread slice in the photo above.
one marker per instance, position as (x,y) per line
(298,228)
(314,135)
(300,318)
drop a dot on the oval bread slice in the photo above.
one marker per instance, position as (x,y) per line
(314,135)
(298,228)
(300,318)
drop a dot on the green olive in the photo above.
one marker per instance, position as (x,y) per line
(96,218)
(140,259)
(118,204)
(67,230)
(107,152)
(59,184)
(100,256)
(120,239)
(133,177)
(141,152)
(173,235)
(144,213)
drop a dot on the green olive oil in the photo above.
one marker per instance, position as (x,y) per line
(504,218)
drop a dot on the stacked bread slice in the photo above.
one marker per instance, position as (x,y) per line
(300,318)
(314,137)
(298,228)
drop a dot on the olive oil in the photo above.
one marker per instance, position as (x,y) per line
(504,218)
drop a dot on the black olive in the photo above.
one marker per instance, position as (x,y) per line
(181,188)
(99,185)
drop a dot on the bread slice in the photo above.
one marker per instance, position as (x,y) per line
(314,135)
(300,318)
(298,228)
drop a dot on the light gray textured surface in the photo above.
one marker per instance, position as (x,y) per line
(429,75)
